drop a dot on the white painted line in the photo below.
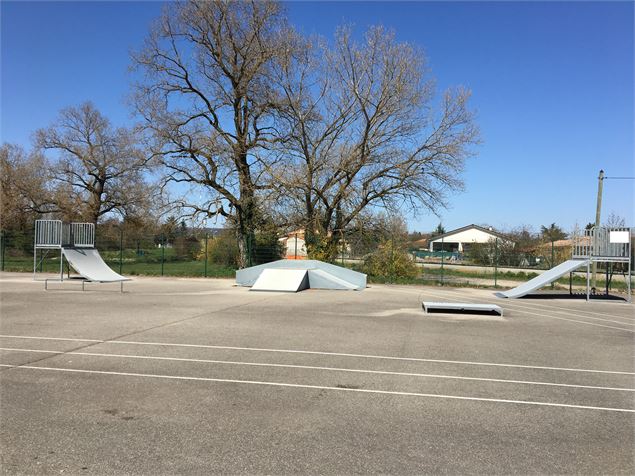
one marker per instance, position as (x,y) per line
(321,387)
(576,313)
(52,338)
(341,354)
(331,369)
(575,320)
(519,308)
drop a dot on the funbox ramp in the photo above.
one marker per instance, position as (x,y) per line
(88,263)
(543,279)
(296,275)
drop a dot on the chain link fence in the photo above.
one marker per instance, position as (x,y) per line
(132,251)
(387,259)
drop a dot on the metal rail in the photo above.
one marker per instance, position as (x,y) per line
(53,234)
(603,244)
(79,235)
(48,233)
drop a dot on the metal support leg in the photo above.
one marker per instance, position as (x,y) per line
(630,296)
(588,280)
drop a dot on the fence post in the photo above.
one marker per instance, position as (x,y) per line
(442,256)
(206,237)
(392,259)
(249,261)
(121,249)
(162,252)
(552,262)
(496,263)
(2,245)
(342,247)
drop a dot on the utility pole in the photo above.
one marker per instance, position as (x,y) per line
(597,223)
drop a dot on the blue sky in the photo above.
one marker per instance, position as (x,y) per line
(552,85)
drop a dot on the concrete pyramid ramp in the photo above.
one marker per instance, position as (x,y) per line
(319,275)
(281,279)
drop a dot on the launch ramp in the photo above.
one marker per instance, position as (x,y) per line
(543,279)
(285,280)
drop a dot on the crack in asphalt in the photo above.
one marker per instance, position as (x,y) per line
(159,326)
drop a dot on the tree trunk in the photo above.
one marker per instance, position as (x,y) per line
(246,218)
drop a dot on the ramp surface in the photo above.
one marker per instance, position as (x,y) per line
(543,279)
(88,263)
(285,280)
(320,279)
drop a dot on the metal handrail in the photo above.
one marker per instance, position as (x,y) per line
(600,243)
(48,233)
(79,235)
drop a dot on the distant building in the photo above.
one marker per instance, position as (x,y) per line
(462,238)
(421,244)
(294,245)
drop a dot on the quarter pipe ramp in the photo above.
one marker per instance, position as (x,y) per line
(89,264)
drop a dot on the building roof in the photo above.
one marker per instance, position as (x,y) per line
(468,227)
(419,243)
(583,240)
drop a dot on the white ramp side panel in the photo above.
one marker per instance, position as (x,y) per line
(319,279)
(88,263)
(285,280)
(543,279)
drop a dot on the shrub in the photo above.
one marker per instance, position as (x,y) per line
(390,261)
(221,249)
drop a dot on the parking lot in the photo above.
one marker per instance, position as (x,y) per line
(199,376)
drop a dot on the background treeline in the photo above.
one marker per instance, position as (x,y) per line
(245,120)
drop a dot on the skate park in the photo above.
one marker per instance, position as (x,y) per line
(359,362)
(167,351)
(317,238)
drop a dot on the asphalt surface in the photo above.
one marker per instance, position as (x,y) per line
(197,376)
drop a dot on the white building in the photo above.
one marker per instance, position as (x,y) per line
(462,238)
(294,245)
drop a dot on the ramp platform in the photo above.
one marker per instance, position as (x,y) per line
(430,307)
(543,279)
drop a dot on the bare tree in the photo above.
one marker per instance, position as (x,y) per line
(363,131)
(99,166)
(25,187)
(615,221)
(207,100)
